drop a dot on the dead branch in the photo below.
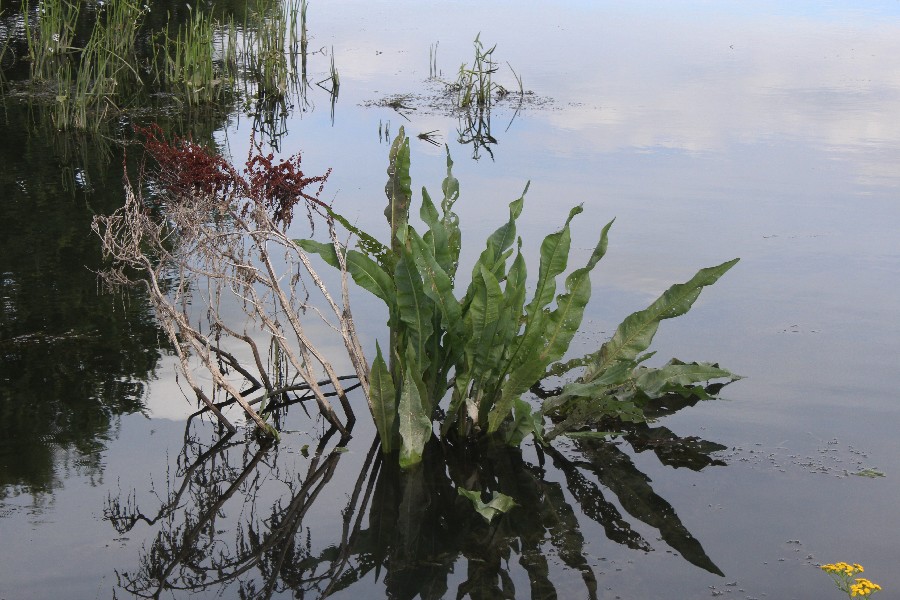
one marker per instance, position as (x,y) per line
(219,242)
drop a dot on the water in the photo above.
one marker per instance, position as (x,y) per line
(709,130)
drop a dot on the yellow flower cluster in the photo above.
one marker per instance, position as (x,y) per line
(863,587)
(843,568)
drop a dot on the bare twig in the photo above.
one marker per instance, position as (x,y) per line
(225,233)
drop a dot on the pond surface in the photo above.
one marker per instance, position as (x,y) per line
(709,130)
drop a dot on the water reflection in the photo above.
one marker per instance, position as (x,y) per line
(407,532)
(72,359)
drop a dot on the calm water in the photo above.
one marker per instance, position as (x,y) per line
(708,129)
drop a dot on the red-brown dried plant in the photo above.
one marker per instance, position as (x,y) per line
(186,168)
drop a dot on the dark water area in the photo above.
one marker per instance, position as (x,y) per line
(709,131)
(74,360)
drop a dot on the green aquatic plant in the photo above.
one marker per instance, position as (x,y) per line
(474,83)
(464,354)
(105,77)
(198,62)
(263,54)
(484,350)
(188,70)
(843,575)
(51,37)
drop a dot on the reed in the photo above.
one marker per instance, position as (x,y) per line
(263,53)
(475,84)
(51,36)
(197,63)
(189,71)
(433,72)
(106,70)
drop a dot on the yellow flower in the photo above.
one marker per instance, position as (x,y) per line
(863,587)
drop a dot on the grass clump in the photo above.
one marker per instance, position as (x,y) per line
(202,61)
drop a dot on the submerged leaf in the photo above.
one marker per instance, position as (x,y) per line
(500,503)
(674,376)
(415,422)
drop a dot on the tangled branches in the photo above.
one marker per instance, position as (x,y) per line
(221,242)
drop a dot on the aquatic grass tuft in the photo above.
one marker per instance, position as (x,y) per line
(263,54)
(51,38)
(188,69)
(474,84)
(106,74)
(200,62)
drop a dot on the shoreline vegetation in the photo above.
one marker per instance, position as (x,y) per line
(91,63)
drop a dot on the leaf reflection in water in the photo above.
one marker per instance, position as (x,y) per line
(409,529)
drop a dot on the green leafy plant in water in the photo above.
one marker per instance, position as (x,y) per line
(489,347)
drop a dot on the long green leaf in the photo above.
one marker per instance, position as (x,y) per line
(636,332)
(595,388)
(436,285)
(563,322)
(368,244)
(367,273)
(503,238)
(383,395)
(450,188)
(676,374)
(484,313)
(398,188)
(550,338)
(554,257)
(437,237)
(414,307)
(415,422)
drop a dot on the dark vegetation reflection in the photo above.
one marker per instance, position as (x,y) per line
(73,359)
(409,533)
